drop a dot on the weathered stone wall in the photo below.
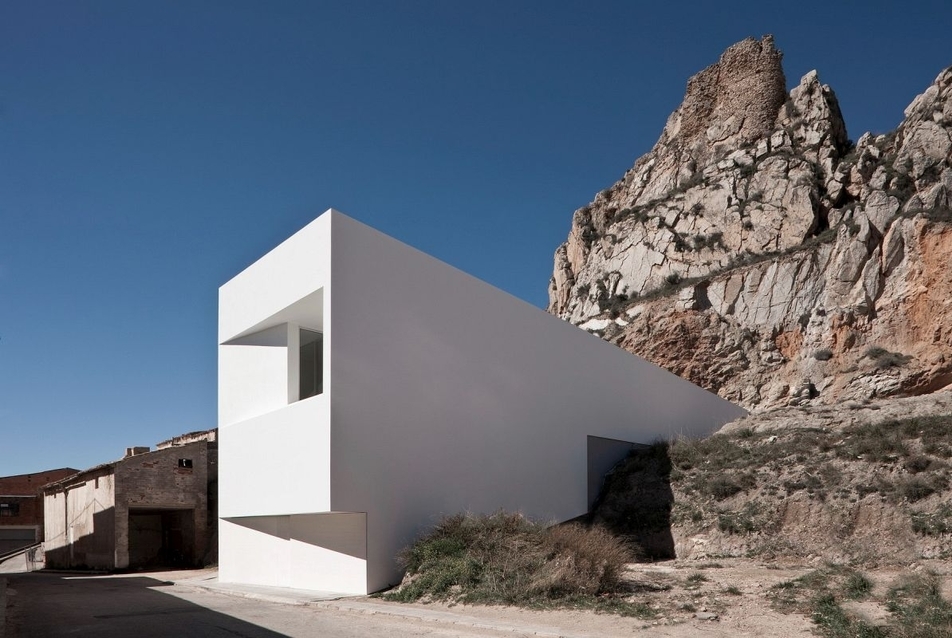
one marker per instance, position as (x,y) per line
(89,514)
(80,521)
(732,102)
(156,481)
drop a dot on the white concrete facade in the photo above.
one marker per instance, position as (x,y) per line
(440,394)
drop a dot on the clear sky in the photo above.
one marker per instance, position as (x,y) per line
(149,151)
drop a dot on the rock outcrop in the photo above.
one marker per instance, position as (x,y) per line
(759,253)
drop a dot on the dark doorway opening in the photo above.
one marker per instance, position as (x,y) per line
(636,501)
(159,537)
(603,455)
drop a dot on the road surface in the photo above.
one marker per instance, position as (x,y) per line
(47,605)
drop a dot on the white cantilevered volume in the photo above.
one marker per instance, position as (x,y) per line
(366,389)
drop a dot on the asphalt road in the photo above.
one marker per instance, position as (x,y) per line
(46,605)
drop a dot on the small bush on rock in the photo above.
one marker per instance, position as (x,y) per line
(886,359)
(933,524)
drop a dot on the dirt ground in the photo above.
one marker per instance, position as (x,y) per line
(723,597)
(731,597)
(51,604)
(731,600)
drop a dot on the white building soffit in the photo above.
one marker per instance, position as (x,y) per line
(307,313)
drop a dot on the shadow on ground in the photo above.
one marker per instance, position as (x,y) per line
(47,605)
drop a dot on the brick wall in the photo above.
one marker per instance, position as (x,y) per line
(21,500)
(174,478)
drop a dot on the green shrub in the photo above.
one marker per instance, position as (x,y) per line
(833,622)
(823,354)
(877,442)
(714,453)
(937,448)
(866,488)
(857,586)
(915,489)
(818,592)
(580,561)
(931,429)
(917,463)
(721,487)
(507,559)
(918,607)
(935,524)
(942,214)
(886,359)
(712,241)
(694,580)
(638,214)
(808,482)
(750,518)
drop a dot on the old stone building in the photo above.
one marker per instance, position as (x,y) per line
(152,507)
(21,507)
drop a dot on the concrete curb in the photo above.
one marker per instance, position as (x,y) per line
(338,602)
(278,595)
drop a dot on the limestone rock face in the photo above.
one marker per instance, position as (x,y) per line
(759,253)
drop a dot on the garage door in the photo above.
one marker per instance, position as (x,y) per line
(12,538)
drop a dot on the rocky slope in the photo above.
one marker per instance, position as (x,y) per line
(861,483)
(759,253)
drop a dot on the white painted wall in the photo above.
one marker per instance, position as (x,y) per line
(320,551)
(277,463)
(451,395)
(442,394)
(283,280)
(274,451)
(257,373)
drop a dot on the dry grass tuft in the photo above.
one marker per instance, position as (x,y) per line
(505,558)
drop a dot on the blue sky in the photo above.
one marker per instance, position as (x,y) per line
(149,151)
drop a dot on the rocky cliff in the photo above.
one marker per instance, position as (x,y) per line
(758,252)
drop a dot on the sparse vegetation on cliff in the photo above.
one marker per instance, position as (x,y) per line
(792,491)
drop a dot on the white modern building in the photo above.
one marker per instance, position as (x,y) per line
(366,389)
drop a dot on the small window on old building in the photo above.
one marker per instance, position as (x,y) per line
(312,364)
(9,509)
(185,463)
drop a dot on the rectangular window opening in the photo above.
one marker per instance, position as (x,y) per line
(185,463)
(312,363)
(9,509)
